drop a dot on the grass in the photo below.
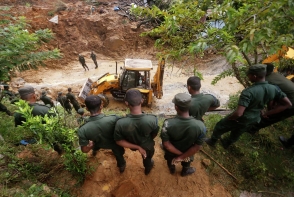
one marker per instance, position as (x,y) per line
(259,162)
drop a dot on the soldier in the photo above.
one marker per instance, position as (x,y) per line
(71,97)
(200,103)
(287,87)
(64,102)
(93,56)
(46,100)
(3,108)
(11,95)
(98,132)
(182,136)
(27,93)
(252,100)
(83,62)
(137,130)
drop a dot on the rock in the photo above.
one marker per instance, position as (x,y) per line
(206,162)
(126,189)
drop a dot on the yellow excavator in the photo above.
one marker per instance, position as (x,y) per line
(285,58)
(136,73)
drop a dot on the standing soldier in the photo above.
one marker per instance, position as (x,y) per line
(252,100)
(182,136)
(137,130)
(71,97)
(64,102)
(200,103)
(98,132)
(83,62)
(93,56)
(46,99)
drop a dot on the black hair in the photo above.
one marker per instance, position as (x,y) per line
(93,103)
(133,97)
(69,89)
(194,83)
(269,68)
(182,109)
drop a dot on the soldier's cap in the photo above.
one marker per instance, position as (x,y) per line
(182,100)
(43,92)
(59,93)
(26,90)
(81,111)
(256,69)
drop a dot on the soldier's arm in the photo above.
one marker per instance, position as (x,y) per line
(191,151)
(237,113)
(86,149)
(168,146)
(283,104)
(127,144)
(214,104)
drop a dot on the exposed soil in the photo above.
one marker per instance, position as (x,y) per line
(113,37)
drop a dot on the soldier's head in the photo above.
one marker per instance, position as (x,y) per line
(193,84)
(269,68)
(27,93)
(43,92)
(92,52)
(182,102)
(256,72)
(133,98)
(69,89)
(59,93)
(93,103)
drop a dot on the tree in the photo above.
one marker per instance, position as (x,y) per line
(252,30)
(20,49)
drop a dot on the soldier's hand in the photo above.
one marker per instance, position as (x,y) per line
(177,160)
(91,144)
(143,152)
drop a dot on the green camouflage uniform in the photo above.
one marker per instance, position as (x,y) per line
(71,97)
(47,100)
(200,104)
(99,129)
(138,129)
(182,133)
(254,98)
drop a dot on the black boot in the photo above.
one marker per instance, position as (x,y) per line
(210,141)
(122,168)
(187,170)
(172,168)
(226,143)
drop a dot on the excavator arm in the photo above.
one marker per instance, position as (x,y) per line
(157,82)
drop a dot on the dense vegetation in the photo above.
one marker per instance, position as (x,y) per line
(245,32)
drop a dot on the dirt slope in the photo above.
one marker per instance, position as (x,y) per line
(113,37)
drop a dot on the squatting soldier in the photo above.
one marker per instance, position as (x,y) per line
(98,132)
(252,100)
(287,87)
(82,119)
(200,103)
(46,99)
(64,102)
(71,97)
(182,136)
(93,56)
(137,130)
(83,62)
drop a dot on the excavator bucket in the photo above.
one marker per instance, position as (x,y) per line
(285,52)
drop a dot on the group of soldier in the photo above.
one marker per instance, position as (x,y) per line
(183,135)
(83,61)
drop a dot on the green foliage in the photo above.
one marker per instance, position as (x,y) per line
(253,29)
(233,101)
(19,49)
(50,130)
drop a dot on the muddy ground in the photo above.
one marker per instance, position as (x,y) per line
(112,37)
